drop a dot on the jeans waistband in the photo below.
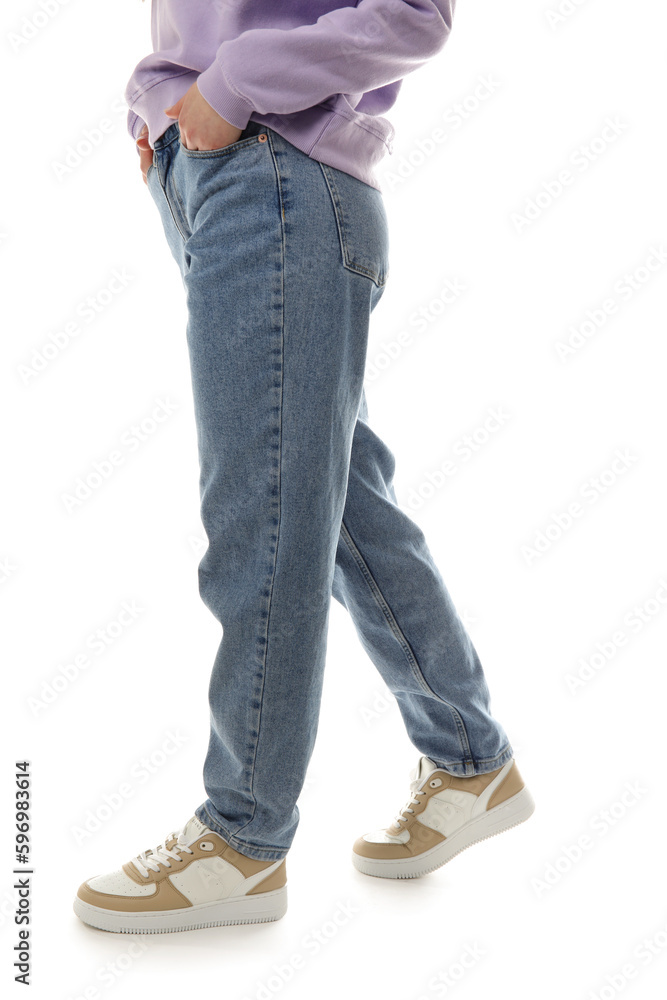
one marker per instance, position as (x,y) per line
(173,132)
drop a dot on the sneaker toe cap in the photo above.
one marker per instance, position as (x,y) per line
(112,889)
(373,849)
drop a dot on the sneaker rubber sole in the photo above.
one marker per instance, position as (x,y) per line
(255,909)
(502,817)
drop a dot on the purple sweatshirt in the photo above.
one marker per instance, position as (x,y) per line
(319,72)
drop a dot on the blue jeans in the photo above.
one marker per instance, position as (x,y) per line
(283,259)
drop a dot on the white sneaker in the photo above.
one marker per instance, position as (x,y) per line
(445,815)
(194,879)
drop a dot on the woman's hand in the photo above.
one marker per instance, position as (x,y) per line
(145,152)
(200,126)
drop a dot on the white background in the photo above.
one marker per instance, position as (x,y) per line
(452,208)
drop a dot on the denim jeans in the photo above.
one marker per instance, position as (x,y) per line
(283,259)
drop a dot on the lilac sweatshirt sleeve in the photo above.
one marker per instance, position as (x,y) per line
(350,50)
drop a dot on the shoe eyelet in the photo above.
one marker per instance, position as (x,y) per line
(206,845)
(435,783)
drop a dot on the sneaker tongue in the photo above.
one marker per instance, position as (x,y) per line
(426,766)
(193,829)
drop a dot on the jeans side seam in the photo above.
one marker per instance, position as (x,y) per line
(403,642)
(280,457)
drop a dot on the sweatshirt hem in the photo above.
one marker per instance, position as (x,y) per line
(342,141)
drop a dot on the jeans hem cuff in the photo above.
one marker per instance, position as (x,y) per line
(249,850)
(467,769)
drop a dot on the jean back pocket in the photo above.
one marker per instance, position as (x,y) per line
(362,224)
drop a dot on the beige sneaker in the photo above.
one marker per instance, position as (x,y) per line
(194,879)
(445,815)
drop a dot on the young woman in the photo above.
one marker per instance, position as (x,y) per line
(259,127)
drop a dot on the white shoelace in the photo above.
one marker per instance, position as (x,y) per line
(414,798)
(160,855)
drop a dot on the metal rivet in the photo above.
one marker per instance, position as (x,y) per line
(262,137)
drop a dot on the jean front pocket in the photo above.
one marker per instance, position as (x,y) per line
(362,224)
(202,184)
